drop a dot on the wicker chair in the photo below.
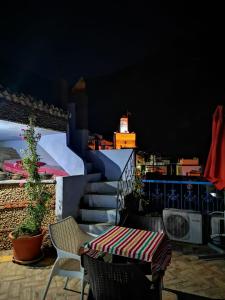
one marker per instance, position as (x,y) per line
(67,238)
(110,281)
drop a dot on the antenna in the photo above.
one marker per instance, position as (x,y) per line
(128,113)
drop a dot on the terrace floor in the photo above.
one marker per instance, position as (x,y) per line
(186,273)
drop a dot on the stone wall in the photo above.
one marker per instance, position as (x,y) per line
(13,203)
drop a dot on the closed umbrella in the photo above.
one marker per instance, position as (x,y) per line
(215,166)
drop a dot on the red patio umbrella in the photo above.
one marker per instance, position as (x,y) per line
(215,166)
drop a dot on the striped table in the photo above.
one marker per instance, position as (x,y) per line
(139,244)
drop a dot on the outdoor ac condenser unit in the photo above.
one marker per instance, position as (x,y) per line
(183,225)
(217,224)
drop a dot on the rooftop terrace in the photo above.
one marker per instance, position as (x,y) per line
(186,274)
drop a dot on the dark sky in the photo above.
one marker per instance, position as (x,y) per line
(93,39)
(90,39)
(165,64)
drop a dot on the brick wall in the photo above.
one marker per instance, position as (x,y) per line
(13,203)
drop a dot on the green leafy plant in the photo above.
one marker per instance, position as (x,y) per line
(138,190)
(38,197)
(138,186)
(136,197)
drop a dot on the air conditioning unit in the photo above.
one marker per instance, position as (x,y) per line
(217,224)
(183,225)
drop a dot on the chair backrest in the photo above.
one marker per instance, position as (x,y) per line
(109,281)
(151,223)
(66,235)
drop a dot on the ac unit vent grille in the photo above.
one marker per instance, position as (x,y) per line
(177,226)
(183,225)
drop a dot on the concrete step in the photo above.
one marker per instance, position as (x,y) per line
(96,200)
(95,228)
(100,215)
(104,187)
(94,177)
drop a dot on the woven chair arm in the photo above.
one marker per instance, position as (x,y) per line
(93,234)
(65,254)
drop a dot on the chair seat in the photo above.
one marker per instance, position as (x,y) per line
(69,264)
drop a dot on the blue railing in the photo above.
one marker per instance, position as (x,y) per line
(194,195)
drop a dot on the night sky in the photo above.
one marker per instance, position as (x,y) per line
(164,64)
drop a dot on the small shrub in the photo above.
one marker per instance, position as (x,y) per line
(37,195)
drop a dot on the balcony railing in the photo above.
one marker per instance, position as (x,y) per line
(125,183)
(187,194)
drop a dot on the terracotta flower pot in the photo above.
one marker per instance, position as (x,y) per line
(27,249)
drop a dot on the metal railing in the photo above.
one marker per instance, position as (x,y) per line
(199,196)
(125,183)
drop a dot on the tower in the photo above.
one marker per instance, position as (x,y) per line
(124,124)
(124,138)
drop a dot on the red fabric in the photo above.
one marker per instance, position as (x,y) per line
(14,167)
(215,166)
(18,163)
(39,164)
(11,166)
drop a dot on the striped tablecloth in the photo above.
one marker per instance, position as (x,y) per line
(135,243)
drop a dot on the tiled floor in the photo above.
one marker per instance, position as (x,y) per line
(190,274)
(186,273)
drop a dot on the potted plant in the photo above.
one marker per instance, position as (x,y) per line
(27,237)
(135,199)
(137,202)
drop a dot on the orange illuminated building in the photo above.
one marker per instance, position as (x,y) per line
(124,138)
(188,167)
